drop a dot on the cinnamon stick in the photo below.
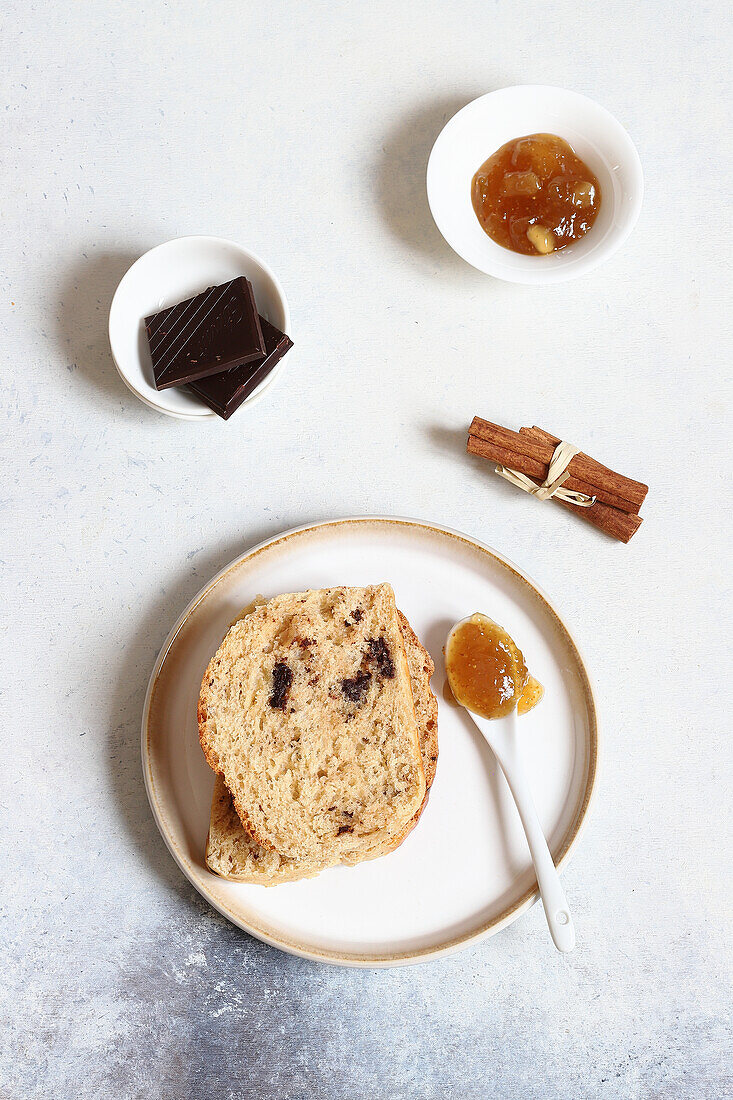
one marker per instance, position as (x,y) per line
(531,455)
(613,521)
(531,467)
(504,456)
(530,450)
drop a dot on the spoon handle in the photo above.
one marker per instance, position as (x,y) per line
(557,910)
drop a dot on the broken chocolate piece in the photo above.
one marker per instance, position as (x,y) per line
(225,392)
(204,335)
(380,654)
(355,689)
(282,679)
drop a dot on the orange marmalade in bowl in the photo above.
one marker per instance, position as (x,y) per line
(535,195)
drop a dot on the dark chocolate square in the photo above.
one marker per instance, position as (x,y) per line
(205,335)
(225,392)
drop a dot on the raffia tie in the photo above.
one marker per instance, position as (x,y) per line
(557,475)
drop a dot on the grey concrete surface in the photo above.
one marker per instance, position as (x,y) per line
(303,130)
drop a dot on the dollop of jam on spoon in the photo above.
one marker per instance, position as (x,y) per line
(486,670)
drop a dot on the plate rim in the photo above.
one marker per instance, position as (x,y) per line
(265,384)
(401,957)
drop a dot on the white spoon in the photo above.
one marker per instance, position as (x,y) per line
(501,735)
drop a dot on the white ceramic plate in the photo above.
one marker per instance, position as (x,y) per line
(464,872)
(171,273)
(483,126)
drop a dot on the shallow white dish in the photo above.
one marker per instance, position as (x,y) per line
(465,871)
(483,126)
(168,274)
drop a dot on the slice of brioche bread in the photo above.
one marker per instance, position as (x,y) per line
(306,711)
(231,852)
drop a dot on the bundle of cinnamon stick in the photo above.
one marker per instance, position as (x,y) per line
(616,499)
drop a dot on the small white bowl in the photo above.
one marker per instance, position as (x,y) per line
(483,126)
(170,273)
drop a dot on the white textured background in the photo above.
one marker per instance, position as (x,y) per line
(302,130)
